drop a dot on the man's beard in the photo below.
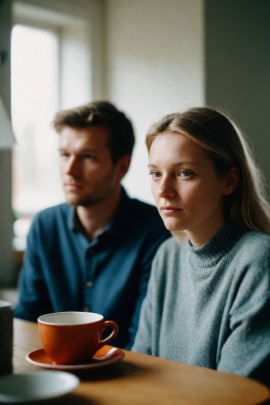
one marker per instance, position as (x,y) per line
(89,200)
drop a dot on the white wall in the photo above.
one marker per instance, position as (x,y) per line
(154,65)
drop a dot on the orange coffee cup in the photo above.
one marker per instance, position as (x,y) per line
(73,337)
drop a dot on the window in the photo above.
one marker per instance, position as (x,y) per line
(35,99)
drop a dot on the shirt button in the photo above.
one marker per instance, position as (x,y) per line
(86,309)
(89,283)
(91,251)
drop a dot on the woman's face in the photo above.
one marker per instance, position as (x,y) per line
(188,192)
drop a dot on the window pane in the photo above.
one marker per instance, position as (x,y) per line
(35,99)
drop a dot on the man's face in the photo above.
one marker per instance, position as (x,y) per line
(87,171)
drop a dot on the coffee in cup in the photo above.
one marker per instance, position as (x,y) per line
(74,337)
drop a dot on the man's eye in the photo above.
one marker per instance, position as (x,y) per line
(64,155)
(154,174)
(88,157)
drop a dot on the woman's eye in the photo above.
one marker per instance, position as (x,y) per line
(185,173)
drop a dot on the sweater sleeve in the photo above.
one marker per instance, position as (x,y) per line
(148,335)
(143,337)
(247,349)
(146,264)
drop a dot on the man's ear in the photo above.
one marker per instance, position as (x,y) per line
(122,166)
(232,178)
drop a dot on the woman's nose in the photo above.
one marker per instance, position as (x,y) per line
(166,188)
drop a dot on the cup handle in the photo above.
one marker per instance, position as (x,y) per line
(112,335)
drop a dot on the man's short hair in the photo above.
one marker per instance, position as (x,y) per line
(121,135)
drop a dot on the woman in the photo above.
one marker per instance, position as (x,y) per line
(208,300)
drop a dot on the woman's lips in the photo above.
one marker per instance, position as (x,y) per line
(170,210)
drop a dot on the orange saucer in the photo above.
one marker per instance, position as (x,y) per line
(103,357)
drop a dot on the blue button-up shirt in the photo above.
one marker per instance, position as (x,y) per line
(64,271)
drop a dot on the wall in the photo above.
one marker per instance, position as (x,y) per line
(154,59)
(237,37)
(6,257)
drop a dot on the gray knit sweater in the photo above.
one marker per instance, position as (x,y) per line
(210,306)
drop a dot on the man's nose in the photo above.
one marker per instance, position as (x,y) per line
(72,166)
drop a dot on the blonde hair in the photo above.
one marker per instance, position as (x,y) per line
(227,147)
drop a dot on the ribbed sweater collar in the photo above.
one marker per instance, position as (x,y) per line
(213,251)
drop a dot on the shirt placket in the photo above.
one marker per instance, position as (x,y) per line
(90,270)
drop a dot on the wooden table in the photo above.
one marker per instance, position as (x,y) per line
(141,379)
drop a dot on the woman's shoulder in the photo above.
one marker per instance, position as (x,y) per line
(252,240)
(170,250)
(253,251)
(170,244)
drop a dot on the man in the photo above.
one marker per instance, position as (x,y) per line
(94,252)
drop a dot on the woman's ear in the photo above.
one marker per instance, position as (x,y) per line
(232,178)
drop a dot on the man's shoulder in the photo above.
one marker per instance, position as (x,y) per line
(143,208)
(52,214)
(145,215)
